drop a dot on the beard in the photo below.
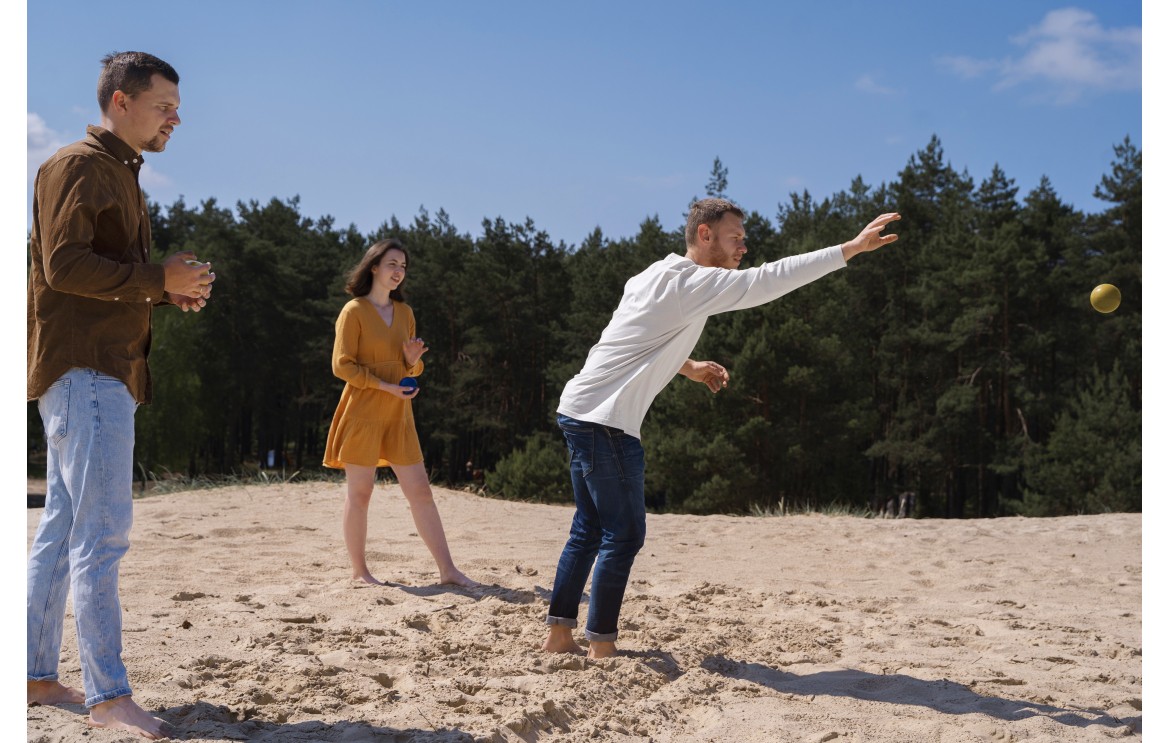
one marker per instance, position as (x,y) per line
(157,143)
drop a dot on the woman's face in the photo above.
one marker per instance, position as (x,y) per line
(391,270)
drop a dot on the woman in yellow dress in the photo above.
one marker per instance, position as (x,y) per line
(373,426)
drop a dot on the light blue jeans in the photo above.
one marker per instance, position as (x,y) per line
(84,530)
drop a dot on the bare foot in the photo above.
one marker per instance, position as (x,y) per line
(454,577)
(560,640)
(368,578)
(602,649)
(53,692)
(123,713)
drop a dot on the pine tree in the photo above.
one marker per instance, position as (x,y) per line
(717,183)
(1092,462)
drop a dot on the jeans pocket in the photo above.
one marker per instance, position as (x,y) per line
(633,457)
(54,410)
(579,439)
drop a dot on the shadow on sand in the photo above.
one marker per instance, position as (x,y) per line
(204,721)
(480,592)
(658,660)
(941,695)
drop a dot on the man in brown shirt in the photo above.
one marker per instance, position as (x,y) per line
(91,291)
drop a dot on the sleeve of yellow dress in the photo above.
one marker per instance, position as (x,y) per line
(345,346)
(417,369)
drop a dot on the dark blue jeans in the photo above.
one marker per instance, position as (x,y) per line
(608,469)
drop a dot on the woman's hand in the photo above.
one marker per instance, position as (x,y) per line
(406,393)
(412,351)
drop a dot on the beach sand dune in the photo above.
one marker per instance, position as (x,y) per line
(241,623)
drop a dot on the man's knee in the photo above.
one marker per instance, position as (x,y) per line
(637,541)
(103,547)
(635,534)
(588,540)
(625,545)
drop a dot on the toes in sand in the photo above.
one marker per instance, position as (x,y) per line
(123,713)
(53,692)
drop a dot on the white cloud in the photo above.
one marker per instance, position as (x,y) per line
(150,178)
(42,142)
(1070,48)
(1068,55)
(867,84)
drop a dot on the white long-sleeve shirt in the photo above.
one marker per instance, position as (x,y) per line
(658,322)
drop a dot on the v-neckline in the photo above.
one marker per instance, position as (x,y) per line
(378,312)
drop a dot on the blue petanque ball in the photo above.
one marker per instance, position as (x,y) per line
(408,382)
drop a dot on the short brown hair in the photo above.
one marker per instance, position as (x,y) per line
(361,277)
(130,72)
(708,212)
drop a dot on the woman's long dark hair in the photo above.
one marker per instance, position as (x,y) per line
(361,277)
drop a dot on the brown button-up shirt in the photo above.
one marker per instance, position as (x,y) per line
(92,286)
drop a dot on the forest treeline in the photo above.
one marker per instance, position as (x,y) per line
(963,364)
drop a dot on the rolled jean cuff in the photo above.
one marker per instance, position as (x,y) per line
(601,636)
(107,696)
(46,677)
(550,620)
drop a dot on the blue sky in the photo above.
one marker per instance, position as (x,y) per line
(602,113)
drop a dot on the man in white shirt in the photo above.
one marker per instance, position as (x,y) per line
(652,332)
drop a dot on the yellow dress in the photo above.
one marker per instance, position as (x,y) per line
(370,427)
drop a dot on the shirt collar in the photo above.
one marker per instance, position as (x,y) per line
(113,144)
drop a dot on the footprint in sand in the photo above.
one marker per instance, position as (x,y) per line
(979,588)
(563,662)
(233,532)
(313,619)
(420,622)
(993,734)
(188,596)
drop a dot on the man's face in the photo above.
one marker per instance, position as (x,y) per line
(727,242)
(152,115)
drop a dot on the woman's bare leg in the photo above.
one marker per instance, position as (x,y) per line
(359,488)
(416,486)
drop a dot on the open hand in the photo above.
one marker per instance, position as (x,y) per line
(871,238)
(412,351)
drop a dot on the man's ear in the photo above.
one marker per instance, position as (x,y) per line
(703,233)
(118,102)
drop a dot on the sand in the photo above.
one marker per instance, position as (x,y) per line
(241,623)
